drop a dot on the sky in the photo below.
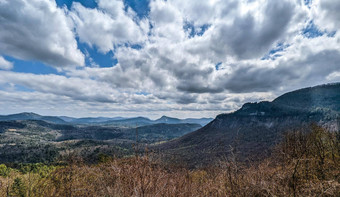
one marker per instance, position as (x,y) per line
(192,58)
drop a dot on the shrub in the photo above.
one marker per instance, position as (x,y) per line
(4,171)
(18,188)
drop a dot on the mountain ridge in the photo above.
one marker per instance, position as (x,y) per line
(118,121)
(31,116)
(250,132)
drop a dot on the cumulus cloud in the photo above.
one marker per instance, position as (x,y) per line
(167,21)
(75,88)
(326,14)
(180,69)
(108,25)
(5,65)
(38,30)
(201,12)
(187,58)
(252,33)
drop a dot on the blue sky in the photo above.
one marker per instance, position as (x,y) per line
(191,58)
(68,3)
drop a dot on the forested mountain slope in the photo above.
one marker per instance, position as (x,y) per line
(250,132)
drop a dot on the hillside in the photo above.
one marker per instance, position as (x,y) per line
(160,132)
(249,133)
(146,134)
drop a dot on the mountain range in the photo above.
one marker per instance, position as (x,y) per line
(247,134)
(115,121)
(30,137)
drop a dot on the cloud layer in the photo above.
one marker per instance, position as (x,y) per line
(184,58)
(38,30)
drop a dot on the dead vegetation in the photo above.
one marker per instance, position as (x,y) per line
(305,163)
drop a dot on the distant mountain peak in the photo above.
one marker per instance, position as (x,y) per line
(31,116)
(166,117)
(28,114)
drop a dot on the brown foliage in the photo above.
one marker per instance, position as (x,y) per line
(306,163)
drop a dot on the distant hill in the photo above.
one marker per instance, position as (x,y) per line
(142,121)
(130,122)
(32,116)
(169,120)
(88,120)
(251,131)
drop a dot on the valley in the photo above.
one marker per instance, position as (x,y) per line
(247,134)
(33,138)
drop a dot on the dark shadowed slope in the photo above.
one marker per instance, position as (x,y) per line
(251,131)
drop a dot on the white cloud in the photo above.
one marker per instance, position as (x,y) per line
(180,69)
(326,14)
(179,73)
(253,30)
(75,88)
(334,76)
(107,26)
(4,64)
(38,30)
(167,22)
(201,12)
